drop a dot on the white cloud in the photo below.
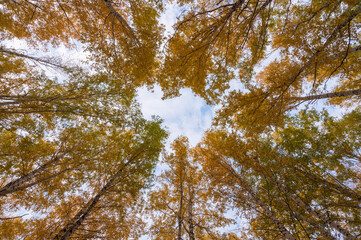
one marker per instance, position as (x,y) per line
(186,115)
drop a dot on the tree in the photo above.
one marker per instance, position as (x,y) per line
(77,156)
(130,176)
(64,135)
(181,204)
(235,182)
(302,173)
(309,57)
(100,201)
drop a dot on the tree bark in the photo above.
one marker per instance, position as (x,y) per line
(190,209)
(79,218)
(324,231)
(40,60)
(12,100)
(15,185)
(128,29)
(355,92)
(328,42)
(180,210)
(345,53)
(39,181)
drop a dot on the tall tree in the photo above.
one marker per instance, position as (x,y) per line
(237,184)
(100,203)
(181,205)
(130,175)
(65,134)
(308,58)
(305,173)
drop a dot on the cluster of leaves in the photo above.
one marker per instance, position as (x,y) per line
(76,153)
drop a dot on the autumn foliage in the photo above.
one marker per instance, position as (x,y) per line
(78,159)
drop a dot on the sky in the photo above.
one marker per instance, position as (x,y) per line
(187,115)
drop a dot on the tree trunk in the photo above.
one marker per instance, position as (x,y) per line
(16,100)
(180,210)
(328,42)
(355,92)
(39,181)
(128,29)
(190,210)
(40,60)
(343,54)
(79,218)
(15,185)
(324,231)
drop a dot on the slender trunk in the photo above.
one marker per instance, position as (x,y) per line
(258,201)
(343,54)
(309,209)
(338,188)
(324,231)
(11,218)
(128,29)
(190,210)
(16,100)
(15,185)
(180,218)
(39,181)
(79,218)
(355,92)
(40,60)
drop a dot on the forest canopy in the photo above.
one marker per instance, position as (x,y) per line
(78,160)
